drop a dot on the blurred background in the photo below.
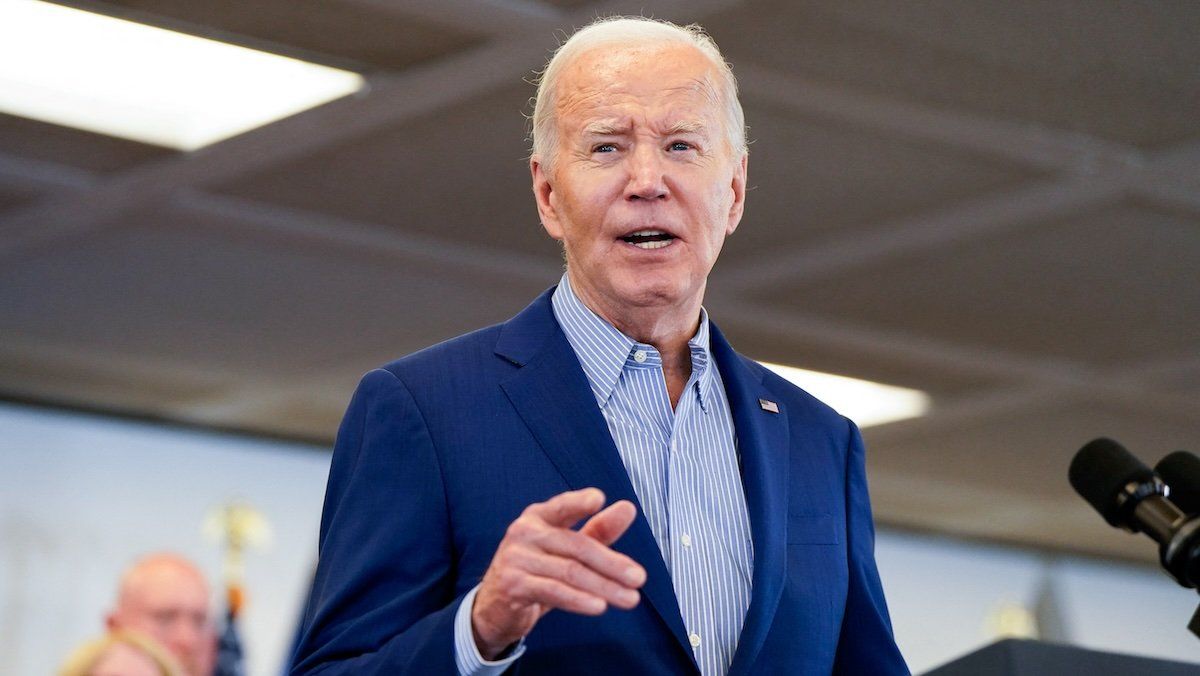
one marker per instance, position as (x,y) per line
(995,204)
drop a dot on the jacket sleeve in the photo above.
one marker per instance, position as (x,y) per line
(383,599)
(866,644)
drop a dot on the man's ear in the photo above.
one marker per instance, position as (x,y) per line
(738,185)
(543,194)
(110,621)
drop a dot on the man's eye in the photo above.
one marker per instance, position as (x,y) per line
(604,148)
(680,145)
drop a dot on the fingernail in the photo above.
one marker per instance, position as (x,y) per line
(596,605)
(634,576)
(630,597)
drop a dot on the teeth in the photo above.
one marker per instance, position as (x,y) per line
(649,239)
(651,245)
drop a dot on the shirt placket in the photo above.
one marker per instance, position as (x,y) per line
(691,542)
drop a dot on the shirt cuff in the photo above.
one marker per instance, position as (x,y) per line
(466,653)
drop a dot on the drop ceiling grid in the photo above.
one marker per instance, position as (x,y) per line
(1021,454)
(812,181)
(1144,96)
(1107,288)
(943,381)
(43,369)
(184,292)
(458,174)
(75,148)
(337,33)
(417,175)
(15,197)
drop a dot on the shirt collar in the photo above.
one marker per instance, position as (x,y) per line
(604,352)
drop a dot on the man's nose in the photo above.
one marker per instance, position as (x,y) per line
(185,635)
(647,178)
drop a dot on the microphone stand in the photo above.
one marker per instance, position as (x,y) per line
(1179,549)
(1132,497)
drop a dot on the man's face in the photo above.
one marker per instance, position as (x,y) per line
(170,604)
(643,187)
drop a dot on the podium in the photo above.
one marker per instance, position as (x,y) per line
(1022,657)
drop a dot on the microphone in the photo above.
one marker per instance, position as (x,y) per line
(1131,496)
(1181,471)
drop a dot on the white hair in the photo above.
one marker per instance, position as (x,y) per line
(631,31)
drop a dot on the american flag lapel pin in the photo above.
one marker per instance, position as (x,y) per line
(768,405)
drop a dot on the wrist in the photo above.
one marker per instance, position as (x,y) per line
(491,643)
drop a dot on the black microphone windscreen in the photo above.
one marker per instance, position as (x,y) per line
(1100,470)
(1181,471)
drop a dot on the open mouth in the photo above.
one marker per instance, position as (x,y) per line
(649,239)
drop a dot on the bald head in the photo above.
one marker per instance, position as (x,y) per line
(166,597)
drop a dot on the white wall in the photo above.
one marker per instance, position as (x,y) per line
(80,496)
(944,597)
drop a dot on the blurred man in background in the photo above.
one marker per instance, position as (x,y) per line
(166,597)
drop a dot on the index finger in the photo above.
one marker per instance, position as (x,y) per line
(566,509)
(609,525)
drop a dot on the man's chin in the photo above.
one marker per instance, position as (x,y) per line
(653,291)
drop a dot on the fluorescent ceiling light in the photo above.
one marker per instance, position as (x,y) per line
(115,77)
(865,402)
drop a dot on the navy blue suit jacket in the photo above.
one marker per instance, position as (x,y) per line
(441,450)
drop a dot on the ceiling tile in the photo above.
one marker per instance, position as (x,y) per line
(459,174)
(993,466)
(1184,381)
(353,32)
(811,179)
(13,197)
(1109,288)
(833,356)
(1125,72)
(258,308)
(310,411)
(75,148)
(1029,449)
(299,418)
(33,370)
(569,4)
(170,290)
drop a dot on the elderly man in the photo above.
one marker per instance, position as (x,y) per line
(737,535)
(166,598)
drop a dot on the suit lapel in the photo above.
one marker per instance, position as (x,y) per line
(551,394)
(763,447)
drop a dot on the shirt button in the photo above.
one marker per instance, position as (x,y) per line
(685,540)
(639,356)
(694,639)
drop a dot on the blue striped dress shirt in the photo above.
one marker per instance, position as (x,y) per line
(683,465)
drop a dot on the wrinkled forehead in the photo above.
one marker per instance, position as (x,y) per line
(670,76)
